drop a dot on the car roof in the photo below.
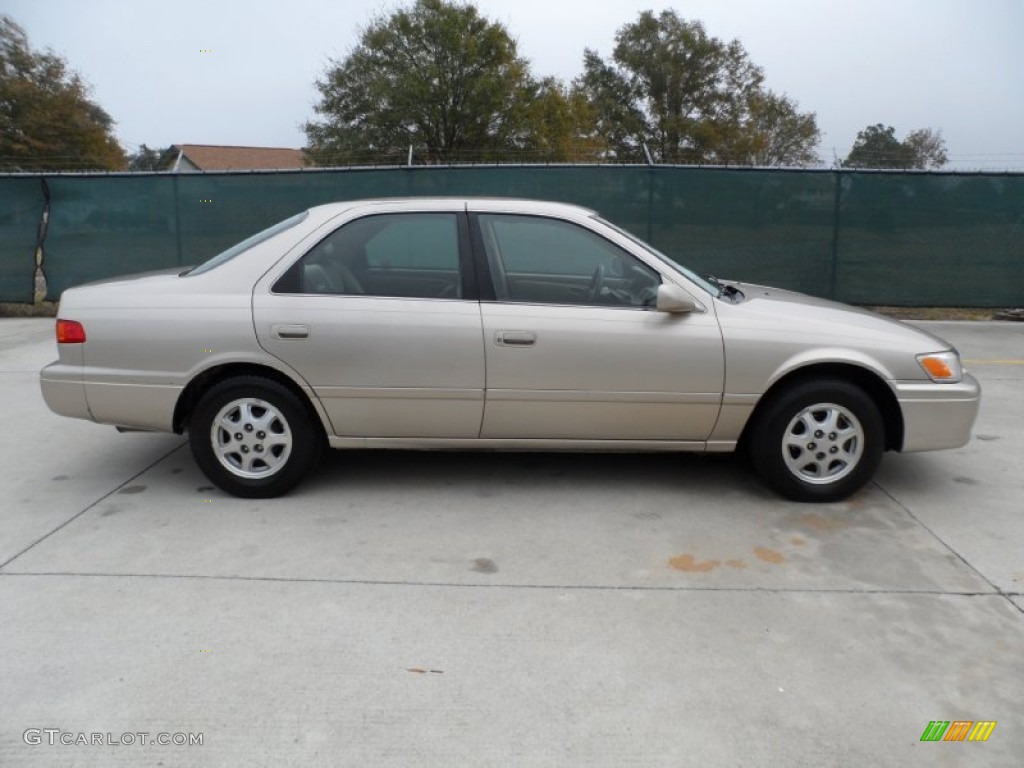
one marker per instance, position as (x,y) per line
(490,204)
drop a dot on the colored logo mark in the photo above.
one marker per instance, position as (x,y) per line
(958,730)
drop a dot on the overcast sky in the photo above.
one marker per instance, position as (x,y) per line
(953,65)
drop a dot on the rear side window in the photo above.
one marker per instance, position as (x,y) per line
(427,241)
(406,255)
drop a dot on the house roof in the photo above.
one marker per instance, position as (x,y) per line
(208,157)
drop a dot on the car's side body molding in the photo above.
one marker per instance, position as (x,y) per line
(517,444)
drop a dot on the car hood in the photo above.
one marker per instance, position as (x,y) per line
(823,317)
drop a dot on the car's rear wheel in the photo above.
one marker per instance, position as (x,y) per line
(253,437)
(820,440)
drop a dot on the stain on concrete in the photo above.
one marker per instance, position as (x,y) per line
(966,480)
(769,555)
(738,564)
(820,523)
(59,477)
(989,437)
(647,515)
(484,565)
(798,541)
(205,488)
(113,509)
(691,565)
(177,471)
(133,489)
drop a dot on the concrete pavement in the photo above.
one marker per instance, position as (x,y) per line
(488,609)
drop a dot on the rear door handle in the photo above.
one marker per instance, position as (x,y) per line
(515,338)
(290,331)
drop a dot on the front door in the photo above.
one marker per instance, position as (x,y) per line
(575,349)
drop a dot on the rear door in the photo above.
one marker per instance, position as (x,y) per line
(380,318)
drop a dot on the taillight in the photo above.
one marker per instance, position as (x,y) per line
(70,332)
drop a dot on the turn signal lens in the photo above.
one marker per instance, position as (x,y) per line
(70,332)
(942,366)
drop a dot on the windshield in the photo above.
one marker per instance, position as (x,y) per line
(246,244)
(687,273)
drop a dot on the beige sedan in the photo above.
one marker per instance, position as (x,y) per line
(498,324)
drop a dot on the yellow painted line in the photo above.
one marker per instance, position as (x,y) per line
(994,362)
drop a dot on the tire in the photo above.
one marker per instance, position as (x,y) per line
(818,440)
(253,438)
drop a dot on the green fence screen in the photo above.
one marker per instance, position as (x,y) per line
(21,205)
(943,239)
(924,239)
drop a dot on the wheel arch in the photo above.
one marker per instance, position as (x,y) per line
(202,382)
(869,381)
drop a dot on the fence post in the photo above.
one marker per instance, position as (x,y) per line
(39,257)
(650,204)
(177,221)
(835,234)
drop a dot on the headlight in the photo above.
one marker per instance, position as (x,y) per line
(943,367)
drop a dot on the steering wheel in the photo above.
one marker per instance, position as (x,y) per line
(596,283)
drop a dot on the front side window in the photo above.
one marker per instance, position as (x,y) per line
(547,261)
(409,255)
(686,272)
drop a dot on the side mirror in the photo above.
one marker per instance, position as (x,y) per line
(672,298)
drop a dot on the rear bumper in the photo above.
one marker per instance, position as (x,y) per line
(64,391)
(937,416)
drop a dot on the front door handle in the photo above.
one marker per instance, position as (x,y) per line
(290,331)
(515,338)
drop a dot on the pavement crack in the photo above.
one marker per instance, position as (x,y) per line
(85,509)
(995,587)
(506,586)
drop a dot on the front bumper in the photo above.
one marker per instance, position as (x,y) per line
(937,416)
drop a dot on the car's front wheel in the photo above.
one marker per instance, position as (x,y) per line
(253,437)
(819,440)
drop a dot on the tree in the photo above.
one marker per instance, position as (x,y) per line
(927,148)
(47,120)
(435,75)
(619,118)
(561,125)
(777,134)
(145,159)
(692,98)
(877,147)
